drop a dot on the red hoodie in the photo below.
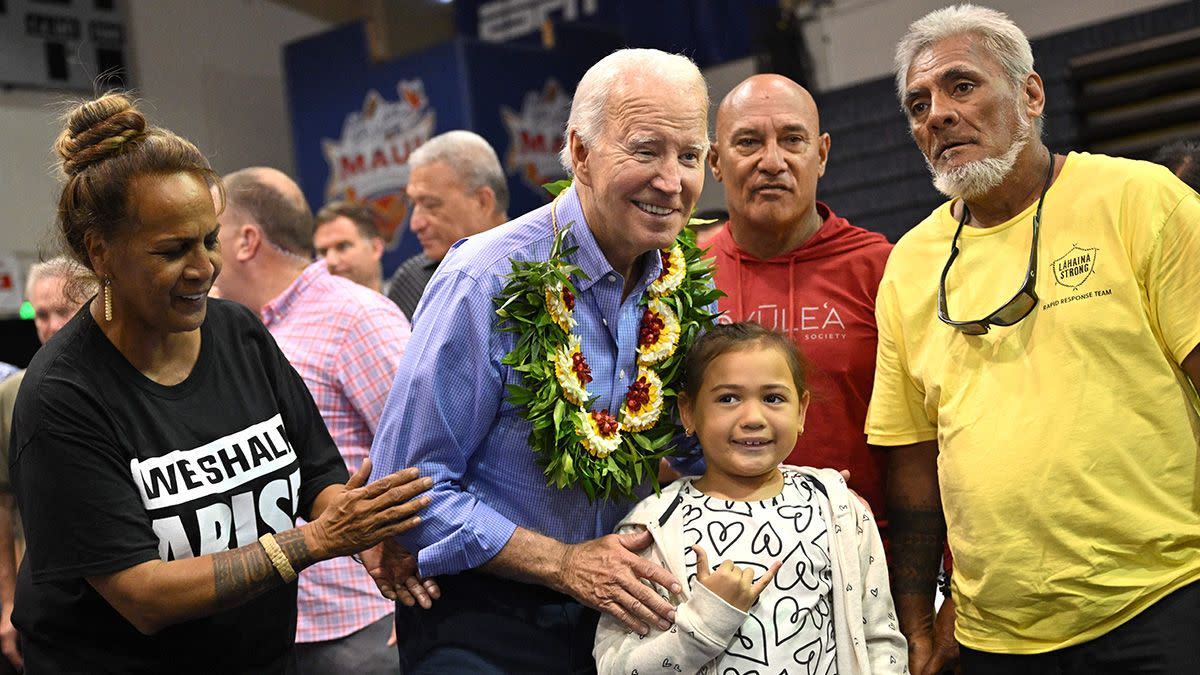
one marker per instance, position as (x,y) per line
(823,295)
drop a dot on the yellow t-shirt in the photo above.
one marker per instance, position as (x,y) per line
(1068,442)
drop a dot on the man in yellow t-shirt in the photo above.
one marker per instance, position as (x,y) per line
(1036,379)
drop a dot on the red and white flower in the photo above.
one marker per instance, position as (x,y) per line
(674,269)
(560,303)
(643,402)
(599,432)
(658,334)
(572,371)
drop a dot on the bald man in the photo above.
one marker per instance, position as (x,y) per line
(345,341)
(787,261)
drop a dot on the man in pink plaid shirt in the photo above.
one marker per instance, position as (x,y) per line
(345,341)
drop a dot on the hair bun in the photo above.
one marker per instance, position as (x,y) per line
(97,130)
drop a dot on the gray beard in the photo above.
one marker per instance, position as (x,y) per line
(975,179)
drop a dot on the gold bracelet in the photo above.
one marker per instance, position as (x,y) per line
(278,558)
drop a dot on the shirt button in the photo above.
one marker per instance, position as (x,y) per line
(604,321)
(622,374)
(612,278)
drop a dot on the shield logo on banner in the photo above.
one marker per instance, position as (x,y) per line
(535,135)
(1075,266)
(369,163)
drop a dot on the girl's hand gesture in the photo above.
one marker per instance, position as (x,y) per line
(733,584)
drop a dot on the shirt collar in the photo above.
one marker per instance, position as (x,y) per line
(588,256)
(278,308)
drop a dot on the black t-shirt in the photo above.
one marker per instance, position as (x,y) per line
(111,469)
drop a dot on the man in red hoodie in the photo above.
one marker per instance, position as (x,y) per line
(788,262)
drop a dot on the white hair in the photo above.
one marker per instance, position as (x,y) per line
(470,157)
(998,35)
(59,267)
(607,75)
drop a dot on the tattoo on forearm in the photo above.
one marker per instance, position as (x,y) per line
(247,572)
(293,545)
(241,574)
(915,537)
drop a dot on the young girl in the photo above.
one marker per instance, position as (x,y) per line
(782,568)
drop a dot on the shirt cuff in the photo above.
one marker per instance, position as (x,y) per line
(473,544)
(714,620)
(904,438)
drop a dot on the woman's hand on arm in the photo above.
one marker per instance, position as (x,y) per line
(156,594)
(395,572)
(351,518)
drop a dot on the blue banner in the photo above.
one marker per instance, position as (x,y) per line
(355,122)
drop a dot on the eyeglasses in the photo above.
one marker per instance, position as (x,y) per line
(1021,304)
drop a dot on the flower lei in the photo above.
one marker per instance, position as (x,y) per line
(606,455)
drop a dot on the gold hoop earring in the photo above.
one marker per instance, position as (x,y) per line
(108,298)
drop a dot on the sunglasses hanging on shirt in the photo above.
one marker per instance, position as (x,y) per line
(1026,298)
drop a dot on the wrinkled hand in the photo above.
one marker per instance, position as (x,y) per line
(394,570)
(606,574)
(733,584)
(9,644)
(363,515)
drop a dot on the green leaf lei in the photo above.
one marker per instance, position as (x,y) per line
(555,435)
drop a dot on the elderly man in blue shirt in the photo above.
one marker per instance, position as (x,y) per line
(522,565)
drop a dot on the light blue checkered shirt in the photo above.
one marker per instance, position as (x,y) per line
(447,413)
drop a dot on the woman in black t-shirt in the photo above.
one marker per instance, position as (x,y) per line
(163,447)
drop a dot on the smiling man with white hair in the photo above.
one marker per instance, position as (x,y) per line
(1035,381)
(524,565)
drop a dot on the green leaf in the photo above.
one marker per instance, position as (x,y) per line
(555,187)
(518,396)
(642,441)
(560,411)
